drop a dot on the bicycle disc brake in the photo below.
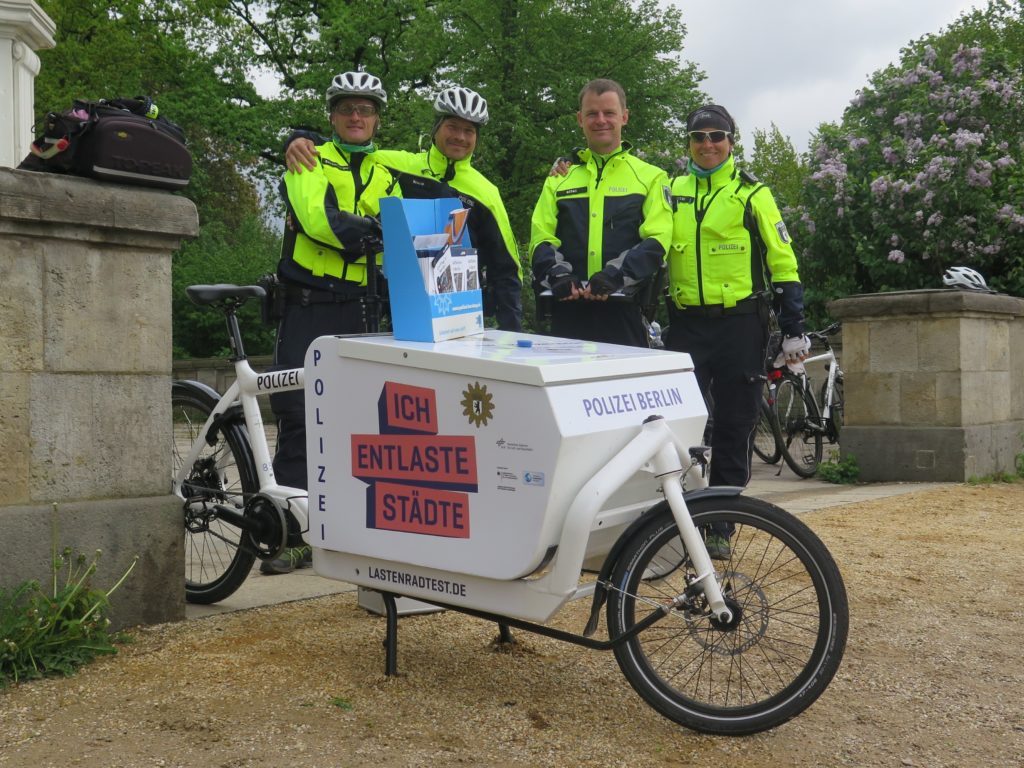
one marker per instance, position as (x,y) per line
(204,482)
(749,622)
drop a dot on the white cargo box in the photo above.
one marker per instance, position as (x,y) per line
(464,456)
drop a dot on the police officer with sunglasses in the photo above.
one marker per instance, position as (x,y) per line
(731,259)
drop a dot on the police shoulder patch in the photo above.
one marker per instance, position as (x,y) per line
(780,227)
(667,191)
(748,177)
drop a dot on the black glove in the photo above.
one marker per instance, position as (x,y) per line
(373,238)
(561,286)
(372,245)
(601,284)
(373,227)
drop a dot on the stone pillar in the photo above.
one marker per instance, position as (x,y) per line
(933,383)
(85,369)
(24,29)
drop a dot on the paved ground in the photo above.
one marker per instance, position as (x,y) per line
(769,483)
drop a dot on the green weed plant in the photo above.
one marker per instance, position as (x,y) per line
(844,471)
(55,631)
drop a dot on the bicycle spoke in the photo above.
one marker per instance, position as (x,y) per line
(223,474)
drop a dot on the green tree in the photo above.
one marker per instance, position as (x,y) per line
(924,171)
(776,163)
(221,254)
(297,47)
(139,47)
(201,59)
(529,58)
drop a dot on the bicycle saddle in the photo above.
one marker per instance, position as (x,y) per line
(214,294)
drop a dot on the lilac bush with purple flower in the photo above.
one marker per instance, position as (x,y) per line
(925,171)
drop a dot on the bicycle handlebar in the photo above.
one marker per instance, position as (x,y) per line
(831,330)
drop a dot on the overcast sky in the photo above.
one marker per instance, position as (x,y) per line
(798,63)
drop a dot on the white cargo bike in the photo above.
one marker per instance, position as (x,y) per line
(504,475)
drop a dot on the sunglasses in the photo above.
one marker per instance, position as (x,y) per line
(363,110)
(715,137)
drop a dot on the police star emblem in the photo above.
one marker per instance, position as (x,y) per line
(477,404)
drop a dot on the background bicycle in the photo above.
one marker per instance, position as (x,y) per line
(798,417)
(767,438)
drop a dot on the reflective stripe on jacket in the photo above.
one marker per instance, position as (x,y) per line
(610,211)
(721,252)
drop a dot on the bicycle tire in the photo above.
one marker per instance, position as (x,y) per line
(779,655)
(836,412)
(225,473)
(800,426)
(767,438)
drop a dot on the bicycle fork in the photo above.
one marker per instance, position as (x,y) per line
(667,467)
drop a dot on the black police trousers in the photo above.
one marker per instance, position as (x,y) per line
(300,326)
(728,357)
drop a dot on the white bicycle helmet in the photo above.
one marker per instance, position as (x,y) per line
(964,277)
(462,102)
(356,84)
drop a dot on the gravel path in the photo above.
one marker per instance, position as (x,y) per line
(932,677)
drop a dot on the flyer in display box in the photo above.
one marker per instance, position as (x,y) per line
(431,268)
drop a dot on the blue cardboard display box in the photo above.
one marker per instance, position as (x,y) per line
(416,313)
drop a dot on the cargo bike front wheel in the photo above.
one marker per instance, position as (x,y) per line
(777,654)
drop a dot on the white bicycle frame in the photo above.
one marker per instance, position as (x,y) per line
(656,450)
(832,365)
(248,386)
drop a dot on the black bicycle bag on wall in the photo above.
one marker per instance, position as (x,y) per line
(122,140)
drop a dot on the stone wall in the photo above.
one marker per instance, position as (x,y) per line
(933,383)
(85,328)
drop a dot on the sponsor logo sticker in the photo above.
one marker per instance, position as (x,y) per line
(533,478)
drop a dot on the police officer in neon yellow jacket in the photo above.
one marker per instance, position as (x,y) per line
(332,214)
(608,222)
(445,169)
(730,251)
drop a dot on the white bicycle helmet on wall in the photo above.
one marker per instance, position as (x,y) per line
(964,277)
(361,84)
(462,102)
